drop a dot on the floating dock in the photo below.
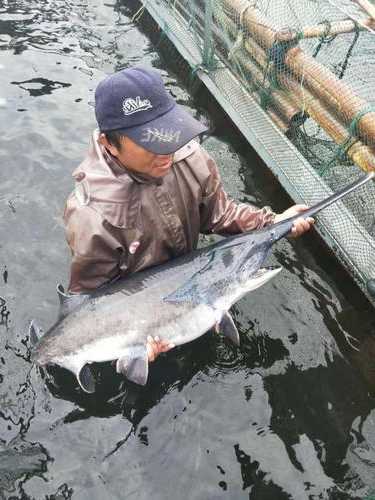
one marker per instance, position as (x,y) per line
(298,80)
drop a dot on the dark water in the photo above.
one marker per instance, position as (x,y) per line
(290,414)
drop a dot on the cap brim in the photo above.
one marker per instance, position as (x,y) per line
(167,133)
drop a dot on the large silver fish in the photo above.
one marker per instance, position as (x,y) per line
(178,301)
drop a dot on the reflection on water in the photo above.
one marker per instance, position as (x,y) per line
(40,86)
(288,414)
(18,460)
(4,312)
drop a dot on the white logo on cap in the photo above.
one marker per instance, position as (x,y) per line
(161,135)
(131,105)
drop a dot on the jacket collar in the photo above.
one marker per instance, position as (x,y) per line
(185,151)
(119,170)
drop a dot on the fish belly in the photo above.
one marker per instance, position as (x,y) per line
(188,325)
(178,324)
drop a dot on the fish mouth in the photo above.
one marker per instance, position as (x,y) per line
(263,275)
(270,271)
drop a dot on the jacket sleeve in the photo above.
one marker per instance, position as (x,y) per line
(95,259)
(220,214)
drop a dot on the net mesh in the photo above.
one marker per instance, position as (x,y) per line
(300,75)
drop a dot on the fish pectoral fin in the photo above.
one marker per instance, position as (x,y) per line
(35,333)
(228,328)
(133,364)
(86,379)
(191,290)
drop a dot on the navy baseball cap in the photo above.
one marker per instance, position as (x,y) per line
(135,103)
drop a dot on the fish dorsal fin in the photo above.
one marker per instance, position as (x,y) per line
(69,302)
(86,379)
(35,333)
(228,328)
(133,364)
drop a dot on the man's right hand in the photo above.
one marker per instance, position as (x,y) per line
(301,225)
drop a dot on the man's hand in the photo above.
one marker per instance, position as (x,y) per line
(300,226)
(155,346)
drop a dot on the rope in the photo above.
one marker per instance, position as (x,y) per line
(232,50)
(350,50)
(340,154)
(353,127)
(240,35)
(265,97)
(243,12)
(325,38)
(137,16)
(208,42)
(275,55)
(299,36)
(237,45)
(193,72)
(352,138)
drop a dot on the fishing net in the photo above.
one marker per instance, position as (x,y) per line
(298,79)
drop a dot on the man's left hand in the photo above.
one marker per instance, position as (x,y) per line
(300,226)
(155,346)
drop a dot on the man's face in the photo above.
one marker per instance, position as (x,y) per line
(138,159)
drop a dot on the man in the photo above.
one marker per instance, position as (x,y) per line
(147,189)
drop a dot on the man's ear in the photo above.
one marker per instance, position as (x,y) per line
(110,147)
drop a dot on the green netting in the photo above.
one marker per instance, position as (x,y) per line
(309,67)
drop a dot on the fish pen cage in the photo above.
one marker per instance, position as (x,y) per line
(297,77)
